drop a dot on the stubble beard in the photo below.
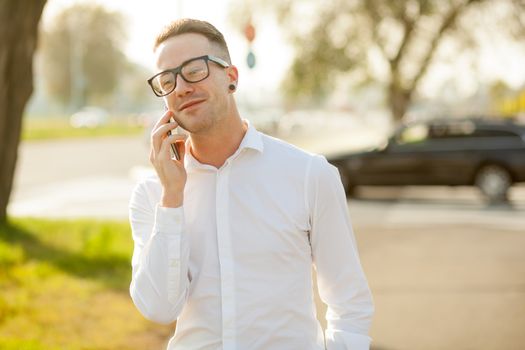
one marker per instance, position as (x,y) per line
(198,124)
(204,121)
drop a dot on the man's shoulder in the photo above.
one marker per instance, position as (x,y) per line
(315,164)
(148,181)
(280,148)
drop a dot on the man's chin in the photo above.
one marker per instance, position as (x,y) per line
(195,126)
(188,121)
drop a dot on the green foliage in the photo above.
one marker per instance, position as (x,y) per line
(10,254)
(392,42)
(23,344)
(64,286)
(82,57)
(59,128)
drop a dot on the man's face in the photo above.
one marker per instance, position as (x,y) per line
(197,106)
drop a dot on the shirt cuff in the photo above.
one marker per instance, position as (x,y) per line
(169,220)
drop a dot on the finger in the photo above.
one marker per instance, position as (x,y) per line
(163,129)
(164,152)
(158,135)
(151,155)
(156,139)
(164,119)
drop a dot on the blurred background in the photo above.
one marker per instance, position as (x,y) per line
(343,78)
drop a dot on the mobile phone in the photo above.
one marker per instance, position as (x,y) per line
(174,150)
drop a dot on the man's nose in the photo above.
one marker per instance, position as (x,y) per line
(182,87)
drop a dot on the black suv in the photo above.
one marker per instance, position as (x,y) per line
(489,154)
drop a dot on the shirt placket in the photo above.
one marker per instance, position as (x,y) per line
(225,258)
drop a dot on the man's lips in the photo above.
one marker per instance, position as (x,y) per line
(190,104)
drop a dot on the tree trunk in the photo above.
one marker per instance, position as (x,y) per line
(18,36)
(398,101)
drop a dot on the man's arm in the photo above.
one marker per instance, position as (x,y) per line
(159,284)
(341,280)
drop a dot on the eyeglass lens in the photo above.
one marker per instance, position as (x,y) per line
(192,72)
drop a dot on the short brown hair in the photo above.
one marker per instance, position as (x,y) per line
(188,25)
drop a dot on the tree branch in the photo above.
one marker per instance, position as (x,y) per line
(409,25)
(372,10)
(448,21)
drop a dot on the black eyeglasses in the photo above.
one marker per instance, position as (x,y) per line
(192,71)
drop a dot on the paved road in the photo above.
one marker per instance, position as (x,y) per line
(445,286)
(94,177)
(77,178)
(446,271)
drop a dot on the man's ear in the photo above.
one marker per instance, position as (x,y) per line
(233,75)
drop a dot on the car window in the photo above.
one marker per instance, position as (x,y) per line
(453,130)
(413,134)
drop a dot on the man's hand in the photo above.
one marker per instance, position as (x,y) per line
(171,172)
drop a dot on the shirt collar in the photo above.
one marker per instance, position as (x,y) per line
(252,139)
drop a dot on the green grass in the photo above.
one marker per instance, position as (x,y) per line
(59,128)
(64,285)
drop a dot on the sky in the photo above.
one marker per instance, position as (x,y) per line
(146,18)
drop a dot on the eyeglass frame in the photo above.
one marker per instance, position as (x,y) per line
(178,71)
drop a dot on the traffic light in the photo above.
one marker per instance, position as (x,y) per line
(249,34)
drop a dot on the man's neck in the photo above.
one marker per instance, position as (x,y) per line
(214,148)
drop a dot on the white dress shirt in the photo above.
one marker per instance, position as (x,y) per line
(233,264)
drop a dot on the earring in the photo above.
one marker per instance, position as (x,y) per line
(232,87)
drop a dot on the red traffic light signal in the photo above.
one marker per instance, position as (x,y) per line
(249,32)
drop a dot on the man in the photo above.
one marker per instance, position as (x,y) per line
(226,237)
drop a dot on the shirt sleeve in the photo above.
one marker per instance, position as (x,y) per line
(160,278)
(341,281)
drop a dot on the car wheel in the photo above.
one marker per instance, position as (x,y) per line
(494,182)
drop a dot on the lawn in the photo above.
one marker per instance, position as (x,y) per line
(64,285)
(59,128)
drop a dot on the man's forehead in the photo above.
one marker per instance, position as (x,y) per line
(175,50)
